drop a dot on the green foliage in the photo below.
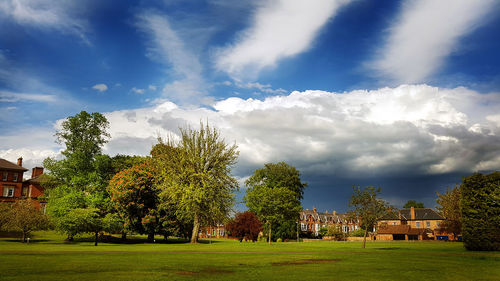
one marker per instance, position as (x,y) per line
(273,205)
(368,208)
(323,231)
(357,233)
(23,216)
(414,204)
(274,194)
(481,212)
(335,232)
(278,175)
(279,240)
(449,207)
(195,175)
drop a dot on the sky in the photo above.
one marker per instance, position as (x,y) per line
(402,95)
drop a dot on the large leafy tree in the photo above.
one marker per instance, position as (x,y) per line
(23,216)
(414,204)
(273,205)
(274,193)
(80,179)
(134,195)
(195,175)
(245,225)
(368,208)
(480,205)
(449,208)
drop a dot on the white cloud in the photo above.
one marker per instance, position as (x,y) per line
(138,91)
(411,129)
(6,96)
(280,29)
(60,15)
(168,47)
(100,87)
(425,33)
(264,88)
(152,87)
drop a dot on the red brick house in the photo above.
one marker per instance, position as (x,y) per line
(14,188)
(410,224)
(311,221)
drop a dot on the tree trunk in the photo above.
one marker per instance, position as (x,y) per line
(151,237)
(96,238)
(124,236)
(364,238)
(270,228)
(24,237)
(196,229)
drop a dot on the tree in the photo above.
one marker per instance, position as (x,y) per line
(335,231)
(24,217)
(134,196)
(449,208)
(368,208)
(265,187)
(245,225)
(480,205)
(278,175)
(80,179)
(414,204)
(195,175)
(273,205)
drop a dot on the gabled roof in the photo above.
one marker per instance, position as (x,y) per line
(7,165)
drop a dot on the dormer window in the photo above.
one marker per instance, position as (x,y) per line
(4,176)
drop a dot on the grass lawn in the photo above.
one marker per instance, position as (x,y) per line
(48,257)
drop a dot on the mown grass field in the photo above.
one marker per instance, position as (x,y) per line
(48,257)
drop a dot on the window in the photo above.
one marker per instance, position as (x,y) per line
(428,224)
(8,191)
(394,223)
(303,226)
(418,224)
(15,177)
(25,191)
(437,224)
(5,175)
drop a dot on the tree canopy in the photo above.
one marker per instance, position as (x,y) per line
(449,207)
(274,194)
(195,175)
(245,225)
(414,204)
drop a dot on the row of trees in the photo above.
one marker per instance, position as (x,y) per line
(185,182)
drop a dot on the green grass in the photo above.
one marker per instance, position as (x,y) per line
(48,257)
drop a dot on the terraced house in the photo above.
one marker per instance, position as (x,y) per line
(14,188)
(311,221)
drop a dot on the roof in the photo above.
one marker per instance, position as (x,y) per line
(37,179)
(7,165)
(325,217)
(400,229)
(421,214)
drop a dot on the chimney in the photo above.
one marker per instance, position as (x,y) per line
(412,213)
(314,210)
(334,212)
(20,161)
(36,172)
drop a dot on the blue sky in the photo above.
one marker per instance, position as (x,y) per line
(399,94)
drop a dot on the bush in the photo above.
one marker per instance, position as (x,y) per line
(335,232)
(357,233)
(245,226)
(481,212)
(279,240)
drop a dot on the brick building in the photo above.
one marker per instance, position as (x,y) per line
(311,221)
(14,188)
(410,224)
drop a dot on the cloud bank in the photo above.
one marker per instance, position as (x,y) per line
(424,34)
(415,129)
(279,29)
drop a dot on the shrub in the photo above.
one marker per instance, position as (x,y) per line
(279,240)
(481,212)
(357,233)
(245,226)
